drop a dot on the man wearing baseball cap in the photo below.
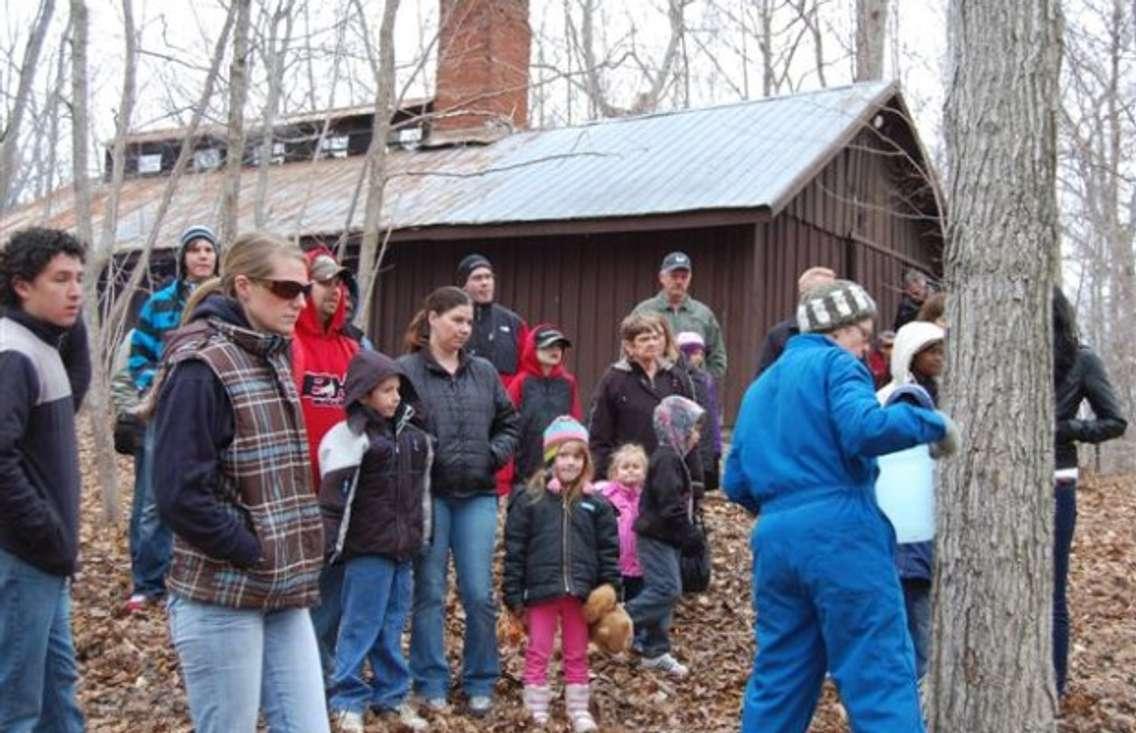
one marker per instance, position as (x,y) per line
(684,313)
(498,333)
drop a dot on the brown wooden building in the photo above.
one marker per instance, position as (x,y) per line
(576,220)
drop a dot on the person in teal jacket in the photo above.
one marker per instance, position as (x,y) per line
(826,592)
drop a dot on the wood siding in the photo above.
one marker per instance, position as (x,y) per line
(585,285)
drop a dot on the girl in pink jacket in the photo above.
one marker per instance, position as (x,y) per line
(626,474)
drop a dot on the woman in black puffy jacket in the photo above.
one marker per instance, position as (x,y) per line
(1078,377)
(473,421)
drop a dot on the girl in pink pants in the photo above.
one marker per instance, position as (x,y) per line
(561,543)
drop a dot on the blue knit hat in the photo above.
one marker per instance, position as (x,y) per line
(563,429)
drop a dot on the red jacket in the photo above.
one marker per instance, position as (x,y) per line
(319,365)
(539,398)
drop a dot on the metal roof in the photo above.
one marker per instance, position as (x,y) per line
(747,155)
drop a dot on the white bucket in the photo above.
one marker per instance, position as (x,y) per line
(905,491)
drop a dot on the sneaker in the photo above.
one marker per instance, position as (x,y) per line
(349,722)
(480,705)
(408,717)
(137,602)
(666,663)
(433,704)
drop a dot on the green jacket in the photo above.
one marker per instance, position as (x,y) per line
(692,315)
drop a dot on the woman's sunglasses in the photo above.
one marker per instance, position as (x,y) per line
(285,289)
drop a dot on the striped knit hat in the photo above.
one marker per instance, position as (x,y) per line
(562,430)
(832,305)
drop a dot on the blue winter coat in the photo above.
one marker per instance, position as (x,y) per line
(811,425)
(160,314)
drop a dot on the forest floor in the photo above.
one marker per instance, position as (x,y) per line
(130,676)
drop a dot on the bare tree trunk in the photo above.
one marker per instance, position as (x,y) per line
(871,32)
(98,397)
(104,252)
(991,666)
(11,137)
(376,163)
(274,56)
(235,146)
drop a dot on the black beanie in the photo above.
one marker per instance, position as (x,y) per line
(469,263)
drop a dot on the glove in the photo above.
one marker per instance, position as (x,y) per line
(951,441)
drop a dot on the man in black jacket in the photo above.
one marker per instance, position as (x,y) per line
(46,367)
(498,333)
(780,334)
(915,291)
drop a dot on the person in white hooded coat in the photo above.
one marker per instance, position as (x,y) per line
(917,358)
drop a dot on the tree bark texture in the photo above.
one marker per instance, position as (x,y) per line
(991,666)
(373,235)
(235,145)
(98,397)
(871,32)
(11,137)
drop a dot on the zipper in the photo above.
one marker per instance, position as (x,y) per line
(564,538)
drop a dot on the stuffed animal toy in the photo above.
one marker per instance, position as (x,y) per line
(609,626)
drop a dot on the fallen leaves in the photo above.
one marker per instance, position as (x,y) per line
(130,678)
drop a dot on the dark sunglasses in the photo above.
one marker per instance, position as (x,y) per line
(285,289)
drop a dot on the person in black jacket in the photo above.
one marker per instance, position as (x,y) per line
(561,543)
(498,333)
(780,334)
(626,397)
(46,367)
(374,491)
(664,526)
(915,291)
(475,425)
(1078,376)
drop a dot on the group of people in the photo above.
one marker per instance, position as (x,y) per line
(299,496)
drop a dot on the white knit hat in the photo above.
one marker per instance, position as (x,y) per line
(832,305)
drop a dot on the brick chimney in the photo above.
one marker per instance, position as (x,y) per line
(483,69)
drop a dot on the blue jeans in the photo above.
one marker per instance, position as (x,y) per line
(917,602)
(652,609)
(376,602)
(1064,525)
(236,661)
(468,527)
(38,675)
(151,542)
(325,617)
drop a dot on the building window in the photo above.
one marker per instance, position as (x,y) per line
(277,157)
(334,146)
(207,159)
(150,163)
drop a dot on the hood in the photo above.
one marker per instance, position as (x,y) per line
(309,321)
(352,285)
(529,363)
(221,307)
(909,341)
(675,419)
(366,370)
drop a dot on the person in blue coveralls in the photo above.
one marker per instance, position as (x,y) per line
(826,592)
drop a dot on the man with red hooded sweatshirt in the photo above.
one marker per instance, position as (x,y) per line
(321,351)
(542,391)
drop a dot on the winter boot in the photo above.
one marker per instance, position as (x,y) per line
(576,698)
(536,702)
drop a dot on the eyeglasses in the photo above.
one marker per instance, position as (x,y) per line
(285,289)
(865,333)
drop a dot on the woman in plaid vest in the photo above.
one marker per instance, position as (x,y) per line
(233,482)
